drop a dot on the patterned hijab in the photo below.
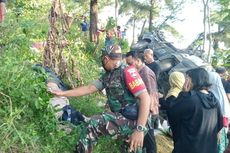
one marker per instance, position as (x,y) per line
(176,81)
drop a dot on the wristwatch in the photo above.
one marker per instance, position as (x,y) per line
(141,128)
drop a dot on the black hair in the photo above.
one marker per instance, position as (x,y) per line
(130,53)
(220,70)
(200,78)
(139,55)
(136,55)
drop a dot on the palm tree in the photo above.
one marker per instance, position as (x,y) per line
(151,9)
(136,10)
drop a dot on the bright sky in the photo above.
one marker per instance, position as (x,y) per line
(192,24)
(189,28)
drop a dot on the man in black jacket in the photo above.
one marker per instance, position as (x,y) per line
(222,71)
(150,62)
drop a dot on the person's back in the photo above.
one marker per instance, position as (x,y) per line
(123,33)
(84,26)
(155,68)
(226,85)
(195,118)
(199,125)
(221,71)
(150,81)
(218,90)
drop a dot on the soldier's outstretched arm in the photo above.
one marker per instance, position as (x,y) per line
(76,92)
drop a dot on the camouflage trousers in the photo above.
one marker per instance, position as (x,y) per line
(113,124)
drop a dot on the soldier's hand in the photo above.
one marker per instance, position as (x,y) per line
(136,141)
(56,92)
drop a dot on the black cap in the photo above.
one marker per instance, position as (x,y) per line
(220,70)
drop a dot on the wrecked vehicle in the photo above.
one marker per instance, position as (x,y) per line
(168,57)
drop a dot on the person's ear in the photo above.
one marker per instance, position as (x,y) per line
(138,61)
(106,58)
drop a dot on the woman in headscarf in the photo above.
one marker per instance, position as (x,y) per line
(218,90)
(176,82)
(195,118)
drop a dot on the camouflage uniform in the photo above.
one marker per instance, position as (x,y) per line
(110,123)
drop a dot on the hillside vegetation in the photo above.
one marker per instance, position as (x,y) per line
(27,121)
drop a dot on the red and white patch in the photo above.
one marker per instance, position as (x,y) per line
(132,72)
(133,80)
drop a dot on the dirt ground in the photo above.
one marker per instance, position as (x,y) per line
(164,144)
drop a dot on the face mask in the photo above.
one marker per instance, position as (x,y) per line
(118,64)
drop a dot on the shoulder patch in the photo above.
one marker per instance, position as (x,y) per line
(133,80)
(132,72)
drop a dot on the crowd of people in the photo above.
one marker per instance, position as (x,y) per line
(196,105)
(111,34)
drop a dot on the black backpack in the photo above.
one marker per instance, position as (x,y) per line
(72,115)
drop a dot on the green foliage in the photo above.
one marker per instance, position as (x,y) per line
(111,23)
(221,58)
(27,120)
(135,9)
(221,16)
(113,146)
(171,30)
(162,15)
(124,45)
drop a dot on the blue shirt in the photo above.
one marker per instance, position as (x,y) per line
(84,26)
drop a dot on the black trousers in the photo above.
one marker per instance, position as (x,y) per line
(149,140)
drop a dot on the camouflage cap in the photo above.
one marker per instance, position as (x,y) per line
(113,51)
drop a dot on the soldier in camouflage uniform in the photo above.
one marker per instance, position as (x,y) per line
(124,87)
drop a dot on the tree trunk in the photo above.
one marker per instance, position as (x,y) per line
(209,34)
(205,2)
(56,44)
(116,5)
(134,27)
(143,26)
(151,16)
(93,21)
